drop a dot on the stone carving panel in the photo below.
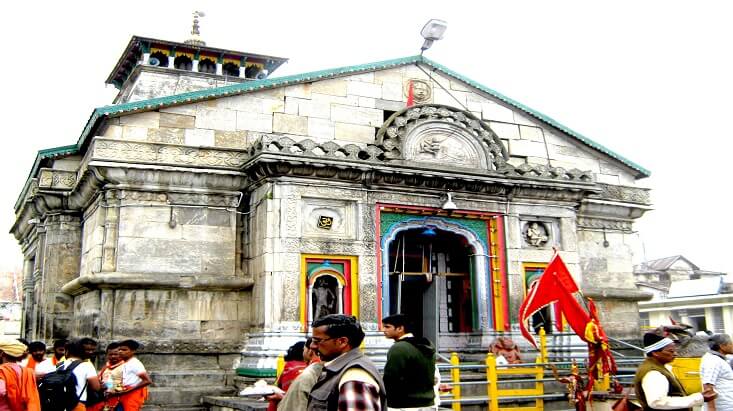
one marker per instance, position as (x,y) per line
(108,149)
(421,90)
(539,233)
(329,218)
(56,179)
(396,131)
(624,193)
(444,143)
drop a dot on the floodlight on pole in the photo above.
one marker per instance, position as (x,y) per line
(433,30)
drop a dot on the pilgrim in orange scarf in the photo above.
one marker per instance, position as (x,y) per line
(22,394)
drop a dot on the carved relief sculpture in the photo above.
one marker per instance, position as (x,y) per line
(324,297)
(536,234)
(421,91)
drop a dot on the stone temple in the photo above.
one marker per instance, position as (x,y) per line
(214,210)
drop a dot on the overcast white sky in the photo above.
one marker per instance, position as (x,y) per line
(650,80)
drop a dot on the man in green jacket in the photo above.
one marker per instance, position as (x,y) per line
(409,375)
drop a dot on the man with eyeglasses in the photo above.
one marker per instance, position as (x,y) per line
(349,380)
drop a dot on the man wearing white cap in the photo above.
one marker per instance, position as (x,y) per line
(17,384)
(656,386)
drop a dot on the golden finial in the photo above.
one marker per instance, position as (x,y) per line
(195,39)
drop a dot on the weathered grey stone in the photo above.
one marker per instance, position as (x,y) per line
(216,119)
(254,121)
(333,87)
(321,128)
(199,137)
(387,105)
(354,133)
(299,90)
(146,120)
(290,124)
(134,133)
(231,139)
(176,120)
(494,111)
(166,135)
(357,115)
(364,89)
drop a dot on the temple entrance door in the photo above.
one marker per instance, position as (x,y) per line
(430,281)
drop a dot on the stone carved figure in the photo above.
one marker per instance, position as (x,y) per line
(430,145)
(421,91)
(324,297)
(444,148)
(535,235)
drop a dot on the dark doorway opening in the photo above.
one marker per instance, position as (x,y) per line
(430,280)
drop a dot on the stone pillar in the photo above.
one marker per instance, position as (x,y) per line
(219,69)
(241,72)
(26,328)
(146,58)
(60,254)
(195,66)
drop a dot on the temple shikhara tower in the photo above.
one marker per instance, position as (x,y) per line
(214,210)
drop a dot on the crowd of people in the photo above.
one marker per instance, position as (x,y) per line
(329,371)
(31,381)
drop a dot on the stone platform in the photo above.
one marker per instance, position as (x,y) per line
(233,403)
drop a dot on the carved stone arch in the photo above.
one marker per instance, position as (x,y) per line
(437,133)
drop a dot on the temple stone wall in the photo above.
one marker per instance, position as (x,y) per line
(151,82)
(93,230)
(59,263)
(175,240)
(606,262)
(351,109)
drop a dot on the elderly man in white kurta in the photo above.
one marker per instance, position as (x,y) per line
(717,374)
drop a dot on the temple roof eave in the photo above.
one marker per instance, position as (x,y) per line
(135,40)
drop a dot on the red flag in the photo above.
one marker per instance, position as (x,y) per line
(410,94)
(555,285)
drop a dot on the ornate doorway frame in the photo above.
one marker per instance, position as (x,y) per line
(483,232)
(343,268)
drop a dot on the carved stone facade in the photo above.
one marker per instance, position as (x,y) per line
(203,226)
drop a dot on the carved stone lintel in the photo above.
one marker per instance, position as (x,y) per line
(157,153)
(636,195)
(604,224)
(83,284)
(627,294)
(56,179)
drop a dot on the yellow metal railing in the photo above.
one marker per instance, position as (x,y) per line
(494,374)
(455,374)
(280,366)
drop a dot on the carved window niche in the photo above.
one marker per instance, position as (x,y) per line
(537,233)
(328,286)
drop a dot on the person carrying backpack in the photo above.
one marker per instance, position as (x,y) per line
(66,388)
